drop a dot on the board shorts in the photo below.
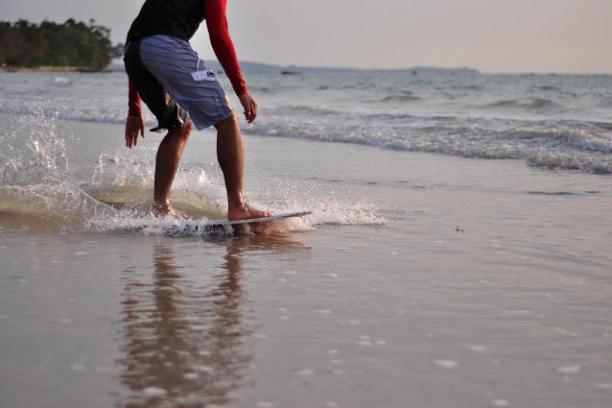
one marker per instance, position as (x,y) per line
(175,83)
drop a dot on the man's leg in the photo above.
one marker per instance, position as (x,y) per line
(166,164)
(230,153)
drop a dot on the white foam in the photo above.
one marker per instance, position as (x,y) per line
(446,363)
(500,403)
(154,392)
(204,369)
(265,404)
(572,369)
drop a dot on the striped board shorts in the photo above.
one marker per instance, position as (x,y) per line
(175,83)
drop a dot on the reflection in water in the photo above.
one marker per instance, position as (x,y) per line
(186,345)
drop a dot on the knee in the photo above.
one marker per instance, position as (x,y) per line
(230,122)
(181,134)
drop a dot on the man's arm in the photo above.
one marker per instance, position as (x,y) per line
(222,43)
(134,123)
(135,103)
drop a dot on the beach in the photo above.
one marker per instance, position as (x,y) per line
(457,254)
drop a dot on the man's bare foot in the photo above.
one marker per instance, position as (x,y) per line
(245,212)
(165,209)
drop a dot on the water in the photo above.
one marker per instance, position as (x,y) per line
(549,121)
(426,276)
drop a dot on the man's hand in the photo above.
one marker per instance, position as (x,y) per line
(250,107)
(133,126)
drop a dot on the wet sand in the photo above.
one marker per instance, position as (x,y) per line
(420,280)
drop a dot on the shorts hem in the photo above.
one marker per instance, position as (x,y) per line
(204,124)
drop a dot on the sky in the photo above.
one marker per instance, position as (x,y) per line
(564,36)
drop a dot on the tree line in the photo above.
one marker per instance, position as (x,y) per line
(69,44)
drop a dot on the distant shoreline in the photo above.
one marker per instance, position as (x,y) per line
(49,69)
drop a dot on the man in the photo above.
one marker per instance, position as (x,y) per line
(167,74)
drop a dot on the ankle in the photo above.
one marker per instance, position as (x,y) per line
(236,202)
(161,205)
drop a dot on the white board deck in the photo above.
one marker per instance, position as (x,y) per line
(272,218)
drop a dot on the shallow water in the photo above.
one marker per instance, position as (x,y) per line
(419,280)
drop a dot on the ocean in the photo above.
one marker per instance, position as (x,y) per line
(457,254)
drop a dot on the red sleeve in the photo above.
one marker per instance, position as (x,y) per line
(222,44)
(134,103)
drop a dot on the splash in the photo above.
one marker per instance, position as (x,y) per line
(37,190)
(33,150)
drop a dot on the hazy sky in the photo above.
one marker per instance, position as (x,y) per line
(492,35)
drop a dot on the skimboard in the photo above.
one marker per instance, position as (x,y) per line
(258,220)
(195,227)
(217,224)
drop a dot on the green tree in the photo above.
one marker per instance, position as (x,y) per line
(72,43)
